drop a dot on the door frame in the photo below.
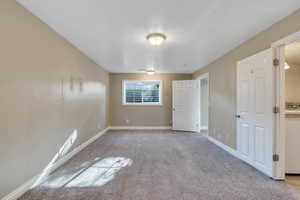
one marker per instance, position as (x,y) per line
(279,133)
(199,78)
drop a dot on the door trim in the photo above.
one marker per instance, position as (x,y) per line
(204,76)
(279,133)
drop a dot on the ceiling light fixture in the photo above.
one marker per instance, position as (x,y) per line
(286,66)
(150,71)
(156,38)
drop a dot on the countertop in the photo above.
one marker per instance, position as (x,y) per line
(292,112)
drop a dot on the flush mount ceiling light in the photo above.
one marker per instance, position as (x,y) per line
(286,66)
(150,71)
(156,38)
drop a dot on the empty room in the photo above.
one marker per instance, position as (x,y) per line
(149,100)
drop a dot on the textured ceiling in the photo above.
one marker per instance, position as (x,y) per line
(112,32)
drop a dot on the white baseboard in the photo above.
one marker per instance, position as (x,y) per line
(79,148)
(140,127)
(204,128)
(26,186)
(224,146)
(236,154)
(21,190)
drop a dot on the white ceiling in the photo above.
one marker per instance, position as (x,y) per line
(113,32)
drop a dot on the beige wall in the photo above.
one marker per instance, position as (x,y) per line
(142,115)
(292,81)
(39,107)
(222,74)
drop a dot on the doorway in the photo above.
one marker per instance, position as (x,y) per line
(292,111)
(263,105)
(287,137)
(204,104)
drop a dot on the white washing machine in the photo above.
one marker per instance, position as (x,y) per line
(293,143)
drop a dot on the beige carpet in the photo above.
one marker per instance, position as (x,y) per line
(157,165)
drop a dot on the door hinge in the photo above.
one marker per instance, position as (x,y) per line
(276,109)
(276,62)
(275,157)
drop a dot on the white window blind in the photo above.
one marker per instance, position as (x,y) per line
(142,92)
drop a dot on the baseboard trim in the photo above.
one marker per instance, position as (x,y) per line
(26,186)
(204,128)
(140,127)
(223,146)
(76,150)
(236,154)
(21,190)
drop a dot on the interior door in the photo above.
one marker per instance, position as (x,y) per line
(255,101)
(186,104)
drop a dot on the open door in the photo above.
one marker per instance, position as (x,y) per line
(186,104)
(255,106)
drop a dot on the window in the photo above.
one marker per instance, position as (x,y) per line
(142,92)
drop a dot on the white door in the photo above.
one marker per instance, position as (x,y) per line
(255,101)
(186,105)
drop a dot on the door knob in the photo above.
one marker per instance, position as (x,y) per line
(238,116)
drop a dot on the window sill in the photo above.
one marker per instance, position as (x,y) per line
(143,104)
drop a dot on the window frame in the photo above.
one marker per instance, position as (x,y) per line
(160,103)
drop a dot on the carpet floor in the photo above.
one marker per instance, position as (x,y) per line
(157,165)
